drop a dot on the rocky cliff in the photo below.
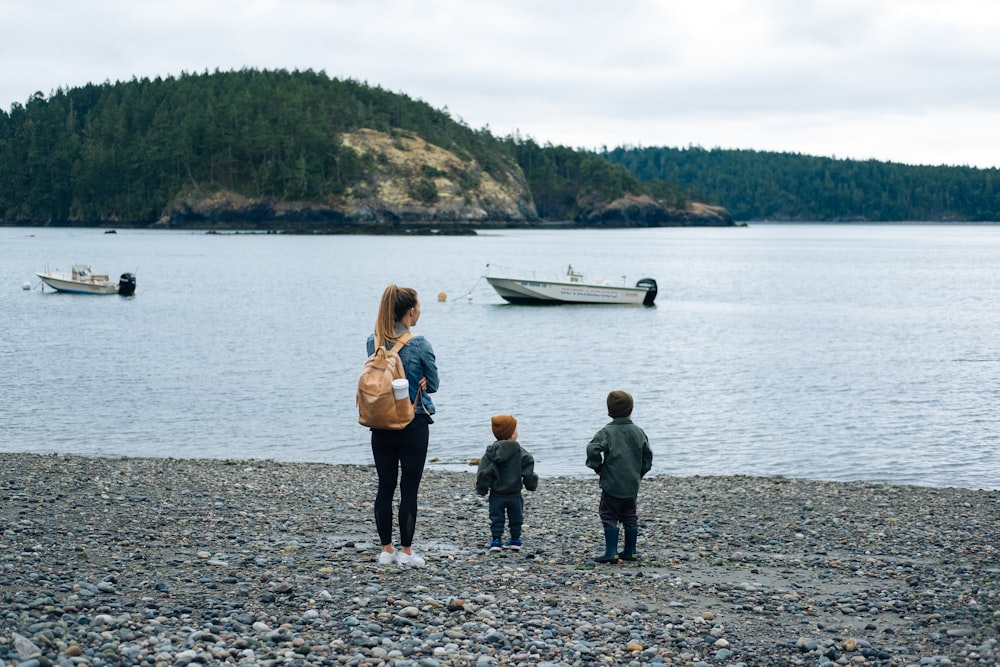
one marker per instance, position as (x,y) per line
(412,180)
(409,183)
(413,185)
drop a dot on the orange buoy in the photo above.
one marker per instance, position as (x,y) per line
(442,296)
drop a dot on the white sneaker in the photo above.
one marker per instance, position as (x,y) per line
(413,559)
(387,558)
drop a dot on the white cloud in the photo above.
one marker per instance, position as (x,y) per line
(903,80)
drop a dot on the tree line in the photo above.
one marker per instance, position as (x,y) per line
(126,151)
(755,185)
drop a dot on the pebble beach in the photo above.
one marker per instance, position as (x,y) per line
(168,562)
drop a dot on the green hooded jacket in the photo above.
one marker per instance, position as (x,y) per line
(621,455)
(504,469)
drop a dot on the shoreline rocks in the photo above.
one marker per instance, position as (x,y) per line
(122,561)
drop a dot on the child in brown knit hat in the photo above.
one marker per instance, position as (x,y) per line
(504,469)
(621,455)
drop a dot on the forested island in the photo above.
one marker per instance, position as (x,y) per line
(299,151)
(302,152)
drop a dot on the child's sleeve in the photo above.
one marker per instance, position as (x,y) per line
(595,452)
(485,474)
(647,455)
(528,476)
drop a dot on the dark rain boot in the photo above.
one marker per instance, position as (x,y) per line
(610,546)
(629,552)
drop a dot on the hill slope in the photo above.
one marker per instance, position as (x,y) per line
(297,151)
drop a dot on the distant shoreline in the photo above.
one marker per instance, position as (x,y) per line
(421,228)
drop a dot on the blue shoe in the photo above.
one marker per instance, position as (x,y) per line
(496,545)
(514,545)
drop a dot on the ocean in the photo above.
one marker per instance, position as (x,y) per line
(834,352)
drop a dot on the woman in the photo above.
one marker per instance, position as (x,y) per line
(400,455)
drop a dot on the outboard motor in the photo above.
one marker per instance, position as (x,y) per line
(650,286)
(126,284)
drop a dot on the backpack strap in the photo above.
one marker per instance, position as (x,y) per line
(401,341)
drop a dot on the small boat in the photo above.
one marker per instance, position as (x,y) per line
(82,281)
(572,290)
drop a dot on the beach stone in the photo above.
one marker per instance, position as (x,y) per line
(102,619)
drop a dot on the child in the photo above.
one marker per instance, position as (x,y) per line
(503,470)
(620,454)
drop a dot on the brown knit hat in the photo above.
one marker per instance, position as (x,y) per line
(504,426)
(619,404)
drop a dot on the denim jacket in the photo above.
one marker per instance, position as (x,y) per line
(419,361)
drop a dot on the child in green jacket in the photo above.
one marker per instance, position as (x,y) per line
(621,455)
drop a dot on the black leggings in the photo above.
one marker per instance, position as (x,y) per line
(399,458)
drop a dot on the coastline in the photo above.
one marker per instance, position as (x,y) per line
(173,561)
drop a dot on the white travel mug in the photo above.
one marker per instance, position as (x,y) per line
(401,388)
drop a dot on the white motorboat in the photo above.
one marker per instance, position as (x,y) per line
(82,281)
(572,290)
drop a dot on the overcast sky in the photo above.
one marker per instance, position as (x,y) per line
(914,81)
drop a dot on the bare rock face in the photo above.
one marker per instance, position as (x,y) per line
(413,180)
(409,181)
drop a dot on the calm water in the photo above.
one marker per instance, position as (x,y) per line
(820,351)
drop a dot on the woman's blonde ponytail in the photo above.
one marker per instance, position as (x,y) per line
(395,303)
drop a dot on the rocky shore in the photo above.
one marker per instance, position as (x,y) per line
(171,562)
